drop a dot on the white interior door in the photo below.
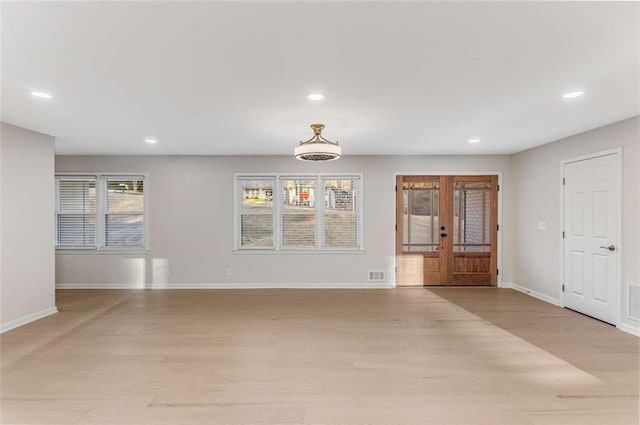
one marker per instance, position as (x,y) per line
(592,202)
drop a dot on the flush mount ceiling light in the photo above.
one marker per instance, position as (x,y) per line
(474,140)
(573,94)
(150,141)
(318,148)
(316,96)
(41,95)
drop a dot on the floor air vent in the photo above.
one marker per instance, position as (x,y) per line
(376,275)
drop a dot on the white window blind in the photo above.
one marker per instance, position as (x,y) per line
(256,216)
(76,212)
(100,211)
(310,212)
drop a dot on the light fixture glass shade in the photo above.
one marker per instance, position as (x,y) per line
(318,148)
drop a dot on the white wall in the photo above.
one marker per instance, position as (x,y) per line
(537,177)
(27,285)
(191,222)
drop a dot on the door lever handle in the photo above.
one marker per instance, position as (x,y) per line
(611,247)
(443,235)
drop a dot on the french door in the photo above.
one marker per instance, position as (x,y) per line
(446,230)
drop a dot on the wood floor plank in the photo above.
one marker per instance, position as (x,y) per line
(448,356)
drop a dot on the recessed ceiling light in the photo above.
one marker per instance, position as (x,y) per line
(316,96)
(151,140)
(474,140)
(41,95)
(573,94)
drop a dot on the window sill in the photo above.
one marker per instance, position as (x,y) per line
(109,251)
(297,251)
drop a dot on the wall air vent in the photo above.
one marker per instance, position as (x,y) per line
(376,275)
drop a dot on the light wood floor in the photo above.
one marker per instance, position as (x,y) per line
(407,356)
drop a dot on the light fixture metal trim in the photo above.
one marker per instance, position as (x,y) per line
(318,148)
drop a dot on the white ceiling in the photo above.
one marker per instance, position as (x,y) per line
(398,78)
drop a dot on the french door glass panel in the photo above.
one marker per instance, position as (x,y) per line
(472,216)
(420,216)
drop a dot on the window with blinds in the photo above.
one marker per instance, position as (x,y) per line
(100,211)
(310,212)
(298,213)
(76,215)
(256,215)
(340,216)
(124,217)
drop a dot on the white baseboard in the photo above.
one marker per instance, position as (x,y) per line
(505,285)
(537,295)
(625,327)
(106,286)
(27,319)
(364,285)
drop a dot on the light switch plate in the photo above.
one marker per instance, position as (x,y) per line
(542,225)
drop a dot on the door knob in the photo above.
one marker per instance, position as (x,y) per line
(611,247)
(443,235)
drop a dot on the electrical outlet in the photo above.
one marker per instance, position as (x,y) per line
(229,271)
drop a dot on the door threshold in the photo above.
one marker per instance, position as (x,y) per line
(447,286)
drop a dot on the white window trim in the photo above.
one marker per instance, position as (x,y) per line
(319,178)
(100,210)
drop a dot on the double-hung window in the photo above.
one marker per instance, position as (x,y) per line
(76,211)
(341,215)
(256,212)
(100,211)
(298,213)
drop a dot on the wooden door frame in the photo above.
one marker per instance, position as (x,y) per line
(619,248)
(499,282)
